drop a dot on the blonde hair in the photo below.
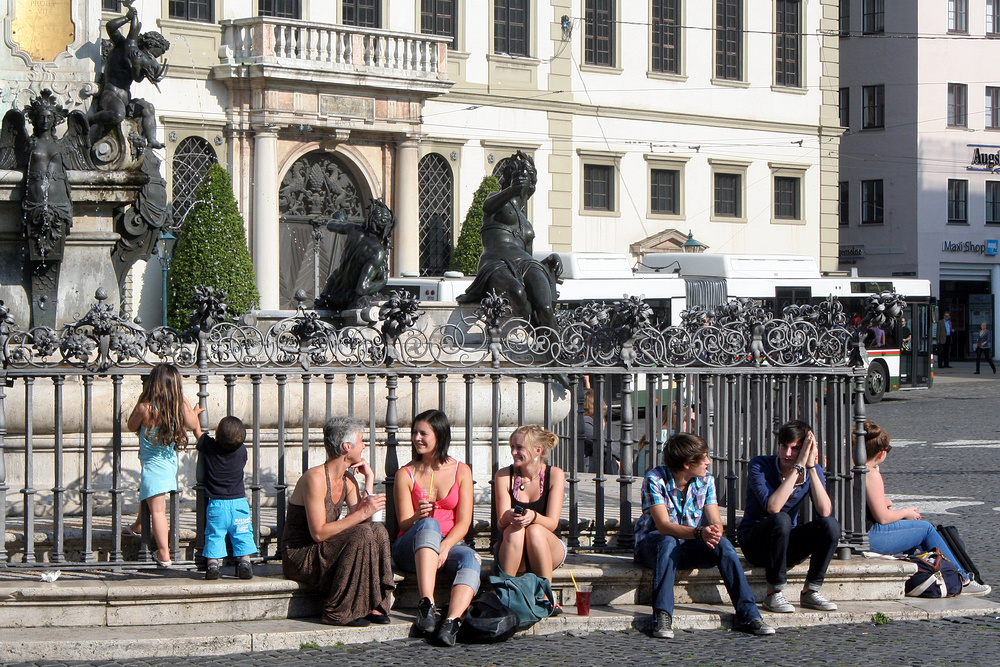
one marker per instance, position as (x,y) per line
(536,436)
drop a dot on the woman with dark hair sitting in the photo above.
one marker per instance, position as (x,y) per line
(892,531)
(433,494)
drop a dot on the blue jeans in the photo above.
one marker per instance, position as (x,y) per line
(906,534)
(665,555)
(462,563)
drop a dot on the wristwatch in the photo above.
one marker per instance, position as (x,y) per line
(800,469)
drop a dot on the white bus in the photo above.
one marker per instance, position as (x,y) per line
(671,282)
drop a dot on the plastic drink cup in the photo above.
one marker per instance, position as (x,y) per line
(583,600)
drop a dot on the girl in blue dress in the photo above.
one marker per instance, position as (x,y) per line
(160,418)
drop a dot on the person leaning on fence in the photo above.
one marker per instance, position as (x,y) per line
(893,531)
(770,534)
(160,418)
(672,534)
(222,461)
(529,497)
(345,557)
(433,494)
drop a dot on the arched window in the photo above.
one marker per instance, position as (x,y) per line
(316,187)
(191,161)
(437,205)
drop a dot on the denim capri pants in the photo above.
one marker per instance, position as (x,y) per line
(462,562)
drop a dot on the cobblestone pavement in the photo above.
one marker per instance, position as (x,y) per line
(945,460)
(969,642)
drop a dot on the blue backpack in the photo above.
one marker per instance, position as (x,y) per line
(936,576)
(529,596)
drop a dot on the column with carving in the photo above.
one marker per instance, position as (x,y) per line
(265,217)
(407,209)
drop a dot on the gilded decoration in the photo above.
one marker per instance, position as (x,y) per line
(43,28)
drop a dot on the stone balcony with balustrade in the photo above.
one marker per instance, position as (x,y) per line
(304,51)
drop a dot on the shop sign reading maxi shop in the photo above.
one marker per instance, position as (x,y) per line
(985,157)
(989,248)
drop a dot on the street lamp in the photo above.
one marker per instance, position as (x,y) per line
(691,245)
(165,249)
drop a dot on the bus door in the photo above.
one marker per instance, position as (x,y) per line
(915,355)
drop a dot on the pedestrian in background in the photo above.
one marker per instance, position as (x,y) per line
(944,340)
(984,348)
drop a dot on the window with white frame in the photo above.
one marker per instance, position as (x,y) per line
(666,36)
(873,107)
(873,17)
(958,105)
(958,15)
(992,108)
(787,42)
(958,201)
(993,17)
(362,13)
(729,40)
(872,202)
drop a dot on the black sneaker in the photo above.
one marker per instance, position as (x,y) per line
(663,625)
(447,632)
(212,571)
(424,625)
(244,570)
(756,626)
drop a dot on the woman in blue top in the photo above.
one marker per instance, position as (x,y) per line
(770,534)
(161,417)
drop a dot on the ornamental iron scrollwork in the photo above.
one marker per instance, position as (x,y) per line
(623,334)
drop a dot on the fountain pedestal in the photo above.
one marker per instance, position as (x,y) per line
(87,256)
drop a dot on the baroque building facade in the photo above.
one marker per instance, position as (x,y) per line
(647,121)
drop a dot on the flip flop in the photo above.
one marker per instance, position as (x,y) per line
(162,564)
(128,532)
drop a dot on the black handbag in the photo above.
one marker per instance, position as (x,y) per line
(487,621)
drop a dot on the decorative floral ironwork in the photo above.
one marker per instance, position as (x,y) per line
(741,332)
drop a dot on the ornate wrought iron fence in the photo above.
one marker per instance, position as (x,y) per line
(731,376)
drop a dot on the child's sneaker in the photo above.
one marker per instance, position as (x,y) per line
(243,570)
(212,571)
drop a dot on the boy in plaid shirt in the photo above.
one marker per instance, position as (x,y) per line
(670,535)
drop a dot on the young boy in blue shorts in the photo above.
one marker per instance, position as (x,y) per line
(222,461)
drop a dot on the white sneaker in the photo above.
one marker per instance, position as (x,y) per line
(813,600)
(973,587)
(776,602)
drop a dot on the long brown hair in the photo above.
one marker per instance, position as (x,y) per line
(164,392)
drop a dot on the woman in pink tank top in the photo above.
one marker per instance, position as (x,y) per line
(433,494)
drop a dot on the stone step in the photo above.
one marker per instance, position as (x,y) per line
(89,598)
(221,638)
